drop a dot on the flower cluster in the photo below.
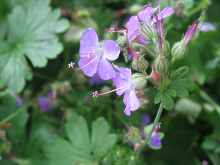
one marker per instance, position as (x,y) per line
(97,57)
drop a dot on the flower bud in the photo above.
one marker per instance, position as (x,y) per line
(133,136)
(155,76)
(178,50)
(161,65)
(122,40)
(139,80)
(140,64)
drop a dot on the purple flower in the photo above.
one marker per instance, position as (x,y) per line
(19,101)
(45,103)
(207,27)
(125,86)
(95,57)
(147,18)
(190,33)
(145,119)
(166,12)
(160,33)
(155,140)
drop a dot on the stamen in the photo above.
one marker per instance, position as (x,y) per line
(71,65)
(116,30)
(96,94)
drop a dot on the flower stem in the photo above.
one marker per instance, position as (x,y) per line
(156,120)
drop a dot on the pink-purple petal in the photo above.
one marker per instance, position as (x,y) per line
(146,14)
(166,12)
(207,27)
(131,101)
(111,50)
(122,80)
(89,65)
(127,110)
(105,70)
(88,43)
(190,32)
(133,28)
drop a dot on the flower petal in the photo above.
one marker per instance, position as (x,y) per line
(122,80)
(45,103)
(127,110)
(88,43)
(131,100)
(133,26)
(207,27)
(146,14)
(89,65)
(105,70)
(155,140)
(111,50)
(166,12)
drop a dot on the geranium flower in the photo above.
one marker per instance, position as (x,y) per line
(148,19)
(96,57)
(46,103)
(207,27)
(155,140)
(124,86)
(190,33)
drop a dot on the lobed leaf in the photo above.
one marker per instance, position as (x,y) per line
(81,148)
(32,34)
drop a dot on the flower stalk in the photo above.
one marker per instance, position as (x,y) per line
(155,123)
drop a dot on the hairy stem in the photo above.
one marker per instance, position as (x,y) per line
(156,120)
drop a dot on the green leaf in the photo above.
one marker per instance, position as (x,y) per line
(189,108)
(13,75)
(157,98)
(32,34)
(81,147)
(101,140)
(179,73)
(18,123)
(179,86)
(167,101)
(165,98)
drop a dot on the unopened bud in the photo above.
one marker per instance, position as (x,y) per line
(140,64)
(178,50)
(161,65)
(155,76)
(121,40)
(139,80)
(133,136)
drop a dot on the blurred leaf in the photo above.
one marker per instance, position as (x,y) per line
(81,148)
(42,135)
(179,86)
(189,108)
(18,123)
(122,155)
(33,34)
